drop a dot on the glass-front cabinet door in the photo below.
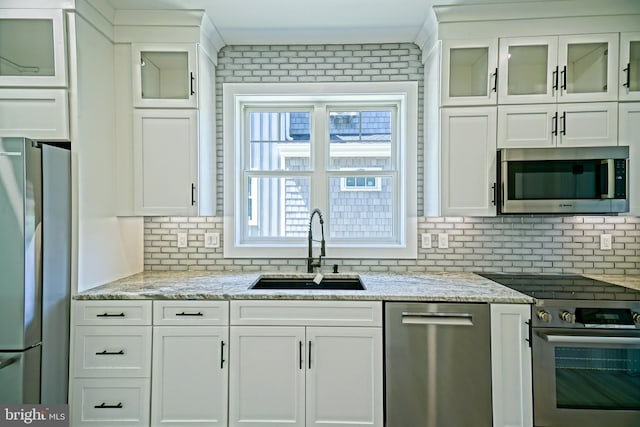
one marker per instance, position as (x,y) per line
(629,67)
(577,68)
(469,72)
(528,70)
(588,68)
(32,48)
(164,75)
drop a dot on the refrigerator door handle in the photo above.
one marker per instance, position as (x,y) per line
(6,362)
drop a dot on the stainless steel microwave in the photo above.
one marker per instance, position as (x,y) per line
(589,180)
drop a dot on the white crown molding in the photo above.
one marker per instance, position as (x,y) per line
(428,35)
(534,9)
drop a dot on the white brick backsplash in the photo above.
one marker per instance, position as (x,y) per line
(552,244)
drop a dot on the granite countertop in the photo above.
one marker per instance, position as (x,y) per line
(454,287)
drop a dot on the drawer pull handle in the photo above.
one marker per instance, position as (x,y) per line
(190,314)
(110,315)
(110,353)
(103,405)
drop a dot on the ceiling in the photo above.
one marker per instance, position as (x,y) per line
(311,21)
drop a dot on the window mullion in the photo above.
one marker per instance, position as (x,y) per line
(320,149)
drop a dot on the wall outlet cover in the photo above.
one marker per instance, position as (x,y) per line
(443,240)
(211,240)
(426,241)
(605,242)
(182,240)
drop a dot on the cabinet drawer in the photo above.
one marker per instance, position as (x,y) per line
(110,402)
(306,313)
(173,313)
(106,312)
(110,351)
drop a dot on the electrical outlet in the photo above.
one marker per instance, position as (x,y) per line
(605,242)
(443,240)
(426,240)
(182,240)
(211,240)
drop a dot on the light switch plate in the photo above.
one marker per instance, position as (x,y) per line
(182,240)
(426,240)
(211,240)
(443,240)
(605,242)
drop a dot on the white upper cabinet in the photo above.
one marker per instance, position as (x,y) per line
(629,67)
(165,75)
(32,48)
(469,72)
(576,68)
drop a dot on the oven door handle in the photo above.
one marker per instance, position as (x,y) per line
(584,339)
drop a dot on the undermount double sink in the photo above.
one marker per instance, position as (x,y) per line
(347,283)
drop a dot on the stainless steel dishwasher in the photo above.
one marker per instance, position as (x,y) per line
(438,365)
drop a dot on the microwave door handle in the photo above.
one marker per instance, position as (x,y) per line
(608,172)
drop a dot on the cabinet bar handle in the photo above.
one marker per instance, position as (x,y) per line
(563,131)
(110,315)
(103,405)
(555,79)
(494,188)
(190,314)
(628,72)
(495,81)
(309,354)
(554,124)
(222,354)
(193,194)
(192,79)
(110,353)
(564,78)
(300,353)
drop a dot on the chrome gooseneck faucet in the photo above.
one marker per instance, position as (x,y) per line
(310,263)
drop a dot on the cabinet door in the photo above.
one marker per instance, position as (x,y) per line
(630,135)
(528,70)
(629,67)
(588,124)
(588,67)
(511,365)
(32,51)
(165,162)
(344,377)
(266,376)
(468,138)
(164,75)
(34,113)
(469,72)
(189,377)
(527,126)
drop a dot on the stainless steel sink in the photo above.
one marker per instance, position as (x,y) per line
(307,283)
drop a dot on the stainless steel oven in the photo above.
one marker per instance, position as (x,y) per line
(564,180)
(585,339)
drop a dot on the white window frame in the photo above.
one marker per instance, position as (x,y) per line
(402,94)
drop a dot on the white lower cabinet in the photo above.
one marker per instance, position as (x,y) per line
(511,365)
(190,369)
(111,364)
(290,369)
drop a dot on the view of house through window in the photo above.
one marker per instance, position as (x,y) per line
(348,150)
(292,167)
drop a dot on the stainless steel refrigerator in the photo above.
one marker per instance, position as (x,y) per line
(35,218)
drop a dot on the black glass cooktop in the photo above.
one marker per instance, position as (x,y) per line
(564,286)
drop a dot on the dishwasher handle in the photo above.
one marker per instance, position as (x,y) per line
(448,319)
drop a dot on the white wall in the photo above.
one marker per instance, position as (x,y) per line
(107,247)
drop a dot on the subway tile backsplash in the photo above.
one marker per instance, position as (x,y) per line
(510,244)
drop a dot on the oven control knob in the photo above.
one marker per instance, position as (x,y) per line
(566,316)
(544,316)
(636,318)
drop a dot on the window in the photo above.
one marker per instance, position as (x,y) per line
(346,149)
